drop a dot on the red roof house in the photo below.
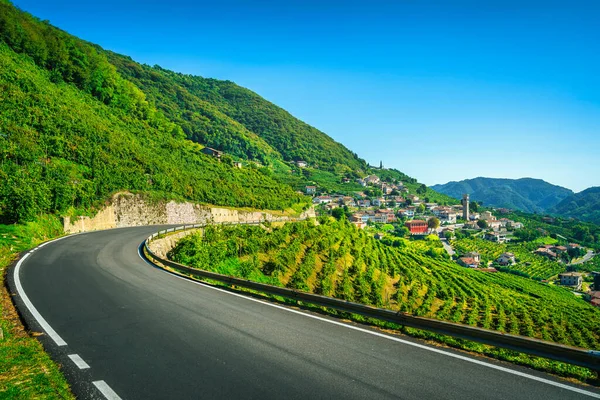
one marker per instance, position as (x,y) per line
(417,227)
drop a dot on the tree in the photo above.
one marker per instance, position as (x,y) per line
(422,189)
(341,213)
(433,223)
(474,206)
(482,223)
(401,231)
(421,208)
(449,234)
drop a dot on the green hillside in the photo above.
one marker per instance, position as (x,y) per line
(236,120)
(583,205)
(525,194)
(73,131)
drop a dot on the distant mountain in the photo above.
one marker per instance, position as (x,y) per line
(583,205)
(525,194)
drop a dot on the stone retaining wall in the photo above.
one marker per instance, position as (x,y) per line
(127,209)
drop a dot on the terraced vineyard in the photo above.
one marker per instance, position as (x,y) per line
(528,264)
(335,259)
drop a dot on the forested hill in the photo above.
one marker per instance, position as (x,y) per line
(584,205)
(73,131)
(525,194)
(236,120)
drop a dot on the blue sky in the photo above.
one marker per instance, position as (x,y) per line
(440,91)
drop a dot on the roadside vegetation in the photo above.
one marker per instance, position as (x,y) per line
(26,370)
(335,259)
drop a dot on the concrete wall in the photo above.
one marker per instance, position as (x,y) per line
(127,209)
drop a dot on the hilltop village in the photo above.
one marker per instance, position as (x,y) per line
(390,211)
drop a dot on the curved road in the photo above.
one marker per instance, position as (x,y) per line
(147,334)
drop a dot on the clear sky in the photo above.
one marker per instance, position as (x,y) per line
(442,90)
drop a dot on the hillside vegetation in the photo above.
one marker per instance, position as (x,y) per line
(236,120)
(526,194)
(584,205)
(72,132)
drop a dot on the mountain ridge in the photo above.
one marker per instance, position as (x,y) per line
(584,205)
(524,194)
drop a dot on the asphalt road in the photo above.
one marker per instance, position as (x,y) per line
(146,334)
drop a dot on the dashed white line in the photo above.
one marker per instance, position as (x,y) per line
(38,317)
(395,339)
(78,361)
(106,390)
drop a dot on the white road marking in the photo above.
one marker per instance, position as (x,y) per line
(38,317)
(395,339)
(78,361)
(106,390)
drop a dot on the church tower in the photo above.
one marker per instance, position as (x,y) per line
(465,204)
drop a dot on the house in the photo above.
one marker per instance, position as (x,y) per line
(238,164)
(348,201)
(391,217)
(572,279)
(359,217)
(471,225)
(488,216)
(322,200)
(474,217)
(596,276)
(431,206)
(515,225)
(504,210)
(398,199)
(378,236)
(593,298)
(212,152)
(559,249)
(372,180)
(417,227)
(448,217)
(412,197)
(545,252)
(364,203)
(379,217)
(386,189)
(380,201)
(474,255)
(498,237)
(494,224)
(468,262)
(361,182)
(310,189)
(490,269)
(301,164)
(506,259)
(406,213)
(437,211)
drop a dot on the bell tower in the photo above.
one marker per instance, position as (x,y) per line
(465,205)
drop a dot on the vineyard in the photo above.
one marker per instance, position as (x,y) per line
(335,259)
(528,264)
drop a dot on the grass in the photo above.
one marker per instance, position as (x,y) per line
(26,370)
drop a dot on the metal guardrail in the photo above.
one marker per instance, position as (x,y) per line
(571,355)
